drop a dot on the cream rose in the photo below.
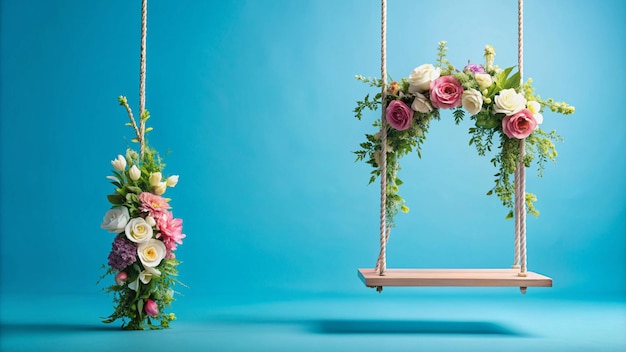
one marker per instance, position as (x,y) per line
(115,219)
(484,80)
(472,101)
(420,78)
(509,102)
(138,230)
(151,252)
(421,103)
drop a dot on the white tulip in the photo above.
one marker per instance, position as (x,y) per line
(159,189)
(155,178)
(134,173)
(172,181)
(119,164)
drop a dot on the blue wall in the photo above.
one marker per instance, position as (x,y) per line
(254,100)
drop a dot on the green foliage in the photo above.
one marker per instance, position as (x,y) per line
(539,145)
(129,303)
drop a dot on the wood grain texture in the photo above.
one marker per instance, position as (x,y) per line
(453,277)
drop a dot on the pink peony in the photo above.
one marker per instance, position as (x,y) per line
(151,308)
(153,204)
(399,115)
(446,92)
(171,232)
(519,125)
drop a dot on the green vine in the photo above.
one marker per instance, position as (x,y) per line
(487,129)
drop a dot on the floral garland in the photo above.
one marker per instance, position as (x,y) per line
(142,257)
(497,102)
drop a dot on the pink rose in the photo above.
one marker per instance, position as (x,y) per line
(399,115)
(446,92)
(151,308)
(519,125)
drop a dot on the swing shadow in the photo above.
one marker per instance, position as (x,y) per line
(382,326)
(413,327)
(52,328)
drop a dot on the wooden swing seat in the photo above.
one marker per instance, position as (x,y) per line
(453,277)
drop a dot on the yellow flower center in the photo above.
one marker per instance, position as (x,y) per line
(150,253)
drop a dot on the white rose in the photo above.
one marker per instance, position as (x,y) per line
(472,101)
(155,178)
(421,103)
(146,275)
(484,80)
(151,252)
(172,181)
(119,164)
(115,219)
(420,78)
(159,189)
(134,173)
(138,230)
(509,102)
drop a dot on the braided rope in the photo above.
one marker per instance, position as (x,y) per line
(142,75)
(520,174)
(381,263)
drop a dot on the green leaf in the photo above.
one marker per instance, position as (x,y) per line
(509,216)
(134,189)
(116,199)
(512,82)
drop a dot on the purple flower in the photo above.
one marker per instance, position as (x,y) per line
(474,68)
(123,253)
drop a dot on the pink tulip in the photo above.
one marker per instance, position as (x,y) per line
(120,278)
(151,308)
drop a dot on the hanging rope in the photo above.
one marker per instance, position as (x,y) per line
(142,75)
(520,172)
(381,263)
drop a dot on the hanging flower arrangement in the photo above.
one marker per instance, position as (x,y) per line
(142,258)
(500,106)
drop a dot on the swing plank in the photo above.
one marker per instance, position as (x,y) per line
(453,277)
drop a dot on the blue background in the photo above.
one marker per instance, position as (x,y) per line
(254,100)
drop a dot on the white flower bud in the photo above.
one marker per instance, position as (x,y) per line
(155,178)
(172,181)
(134,173)
(119,164)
